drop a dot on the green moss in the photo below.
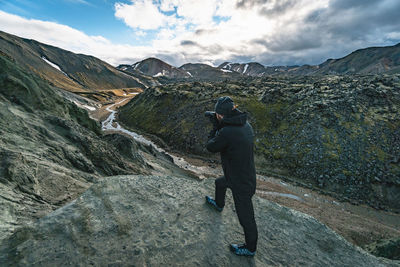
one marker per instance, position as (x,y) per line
(149,114)
(347,173)
(186,126)
(279,154)
(257,110)
(283,126)
(265,117)
(346,124)
(332,155)
(331,143)
(379,153)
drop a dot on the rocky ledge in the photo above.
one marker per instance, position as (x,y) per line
(163,221)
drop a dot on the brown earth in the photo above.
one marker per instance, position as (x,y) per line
(359,224)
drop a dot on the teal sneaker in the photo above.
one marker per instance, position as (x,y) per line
(241,250)
(210,201)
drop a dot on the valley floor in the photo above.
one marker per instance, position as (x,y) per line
(359,224)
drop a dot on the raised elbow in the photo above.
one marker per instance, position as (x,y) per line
(211,148)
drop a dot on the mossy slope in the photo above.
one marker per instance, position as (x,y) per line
(337,133)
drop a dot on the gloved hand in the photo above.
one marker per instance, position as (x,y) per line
(215,122)
(213,119)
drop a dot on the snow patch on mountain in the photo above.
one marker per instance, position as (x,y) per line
(134,66)
(163,73)
(227,66)
(226,70)
(53,65)
(245,68)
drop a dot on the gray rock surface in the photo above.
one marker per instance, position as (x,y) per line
(50,149)
(163,221)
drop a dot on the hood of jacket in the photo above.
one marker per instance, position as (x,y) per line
(235,118)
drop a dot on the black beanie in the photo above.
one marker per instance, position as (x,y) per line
(224,105)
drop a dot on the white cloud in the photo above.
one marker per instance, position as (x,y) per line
(71,39)
(197,12)
(272,32)
(393,35)
(143,14)
(230,35)
(168,5)
(166,34)
(140,33)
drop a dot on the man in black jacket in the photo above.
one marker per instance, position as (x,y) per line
(233,136)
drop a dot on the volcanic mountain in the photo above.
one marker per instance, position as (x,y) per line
(251,69)
(64,69)
(156,68)
(372,60)
(206,72)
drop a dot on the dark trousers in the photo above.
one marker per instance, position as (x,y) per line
(244,211)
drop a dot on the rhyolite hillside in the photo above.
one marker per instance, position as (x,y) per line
(339,134)
(164,221)
(371,60)
(64,69)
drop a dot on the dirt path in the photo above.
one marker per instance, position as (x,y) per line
(359,224)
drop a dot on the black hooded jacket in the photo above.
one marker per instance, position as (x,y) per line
(235,141)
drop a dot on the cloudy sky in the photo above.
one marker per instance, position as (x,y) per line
(272,32)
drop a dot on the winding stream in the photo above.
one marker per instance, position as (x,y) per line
(111,125)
